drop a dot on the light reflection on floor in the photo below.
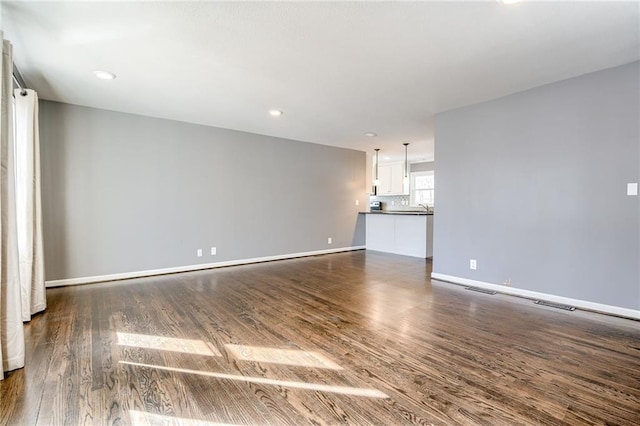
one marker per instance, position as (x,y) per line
(281,356)
(345,390)
(140,418)
(196,347)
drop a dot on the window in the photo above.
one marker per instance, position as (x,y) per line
(422,188)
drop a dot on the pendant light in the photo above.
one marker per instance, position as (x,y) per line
(376,181)
(406,163)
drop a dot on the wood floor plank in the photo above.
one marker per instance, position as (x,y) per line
(440,354)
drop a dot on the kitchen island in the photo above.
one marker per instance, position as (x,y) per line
(409,233)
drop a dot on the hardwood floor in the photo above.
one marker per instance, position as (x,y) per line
(349,338)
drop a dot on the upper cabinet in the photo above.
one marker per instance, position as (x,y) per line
(391,177)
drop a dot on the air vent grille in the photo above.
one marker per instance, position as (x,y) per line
(480,290)
(555,305)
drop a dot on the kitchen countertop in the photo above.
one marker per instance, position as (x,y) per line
(411,213)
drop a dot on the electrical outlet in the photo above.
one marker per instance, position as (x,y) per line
(507,282)
(632,188)
(213,251)
(199,252)
(357,202)
(473,264)
(329,240)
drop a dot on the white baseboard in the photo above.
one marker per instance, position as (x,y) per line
(190,268)
(582,304)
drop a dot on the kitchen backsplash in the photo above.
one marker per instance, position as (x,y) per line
(394,202)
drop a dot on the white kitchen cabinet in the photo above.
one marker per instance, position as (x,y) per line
(411,235)
(391,177)
(407,234)
(384,177)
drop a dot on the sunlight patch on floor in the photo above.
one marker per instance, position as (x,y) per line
(281,356)
(196,347)
(140,418)
(345,390)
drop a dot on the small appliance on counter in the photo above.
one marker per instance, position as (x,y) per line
(375,206)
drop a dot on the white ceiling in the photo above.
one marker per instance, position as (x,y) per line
(337,70)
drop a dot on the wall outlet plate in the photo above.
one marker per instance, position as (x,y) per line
(632,188)
(199,252)
(473,264)
(213,251)
(329,240)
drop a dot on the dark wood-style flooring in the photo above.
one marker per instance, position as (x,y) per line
(349,338)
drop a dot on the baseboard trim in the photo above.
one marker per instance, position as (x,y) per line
(190,268)
(582,304)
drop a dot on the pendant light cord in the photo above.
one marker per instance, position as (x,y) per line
(406,160)
(376,150)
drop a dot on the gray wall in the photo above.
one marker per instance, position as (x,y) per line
(533,186)
(425,166)
(125,193)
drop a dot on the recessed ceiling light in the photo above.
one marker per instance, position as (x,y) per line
(275,112)
(371,134)
(104,75)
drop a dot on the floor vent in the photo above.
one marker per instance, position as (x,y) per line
(555,305)
(480,290)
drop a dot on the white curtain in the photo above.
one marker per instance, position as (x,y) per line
(11,333)
(29,210)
